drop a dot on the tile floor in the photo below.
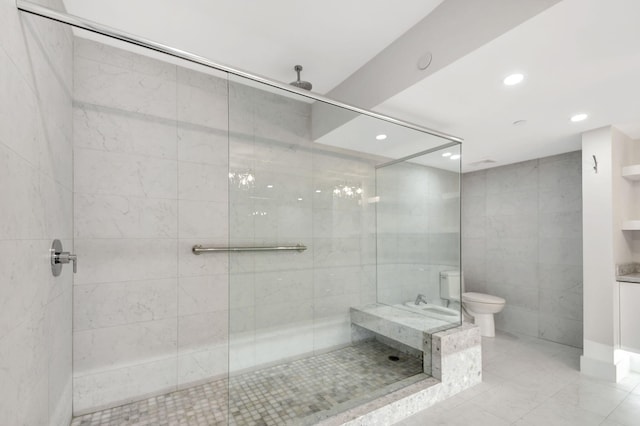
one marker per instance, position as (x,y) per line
(293,393)
(532,382)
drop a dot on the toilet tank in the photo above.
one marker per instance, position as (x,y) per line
(450,285)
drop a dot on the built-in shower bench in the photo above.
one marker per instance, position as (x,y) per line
(409,328)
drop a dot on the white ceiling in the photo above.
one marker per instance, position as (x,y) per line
(578,56)
(330,38)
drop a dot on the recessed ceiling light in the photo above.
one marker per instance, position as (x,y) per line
(513,79)
(446,154)
(318,190)
(455,156)
(299,198)
(269,186)
(579,117)
(381,137)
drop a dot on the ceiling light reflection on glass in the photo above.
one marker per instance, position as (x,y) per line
(347,191)
(244,180)
(579,117)
(381,137)
(446,154)
(513,79)
(455,156)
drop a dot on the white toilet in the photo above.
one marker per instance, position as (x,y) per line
(480,306)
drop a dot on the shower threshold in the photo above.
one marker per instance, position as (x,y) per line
(306,391)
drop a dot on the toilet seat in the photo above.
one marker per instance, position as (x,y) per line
(482,298)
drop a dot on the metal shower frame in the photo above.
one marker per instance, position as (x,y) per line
(85,24)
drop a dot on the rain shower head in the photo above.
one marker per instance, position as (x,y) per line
(299,83)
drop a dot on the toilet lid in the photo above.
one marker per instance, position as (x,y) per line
(482,298)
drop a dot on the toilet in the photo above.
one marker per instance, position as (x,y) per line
(480,306)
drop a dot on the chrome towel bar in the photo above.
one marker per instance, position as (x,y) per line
(199,249)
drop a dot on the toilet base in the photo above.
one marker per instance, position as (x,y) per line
(486,323)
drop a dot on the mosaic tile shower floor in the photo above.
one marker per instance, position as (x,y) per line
(290,393)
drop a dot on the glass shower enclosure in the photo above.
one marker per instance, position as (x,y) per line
(231,230)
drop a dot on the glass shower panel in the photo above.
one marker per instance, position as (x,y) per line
(418,235)
(302,178)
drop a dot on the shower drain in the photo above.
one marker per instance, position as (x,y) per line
(394,358)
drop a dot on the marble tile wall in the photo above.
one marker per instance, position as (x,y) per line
(35,207)
(150,146)
(522,240)
(289,304)
(418,230)
(154,147)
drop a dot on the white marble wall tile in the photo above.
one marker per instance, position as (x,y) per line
(57,202)
(513,249)
(560,250)
(25,359)
(282,343)
(337,281)
(203,219)
(241,322)
(511,226)
(111,130)
(197,295)
(58,321)
(117,216)
(519,320)
(560,225)
(561,277)
(511,203)
(120,303)
(334,307)
(514,177)
(565,199)
(109,348)
(202,182)
(125,59)
(111,86)
(24,220)
(293,221)
(190,265)
(336,252)
(338,224)
(527,297)
(22,136)
(560,170)
(50,55)
(118,386)
(288,260)
(561,304)
(35,361)
(201,331)
(193,367)
(331,332)
(284,287)
(561,330)
(110,173)
(199,145)
(293,158)
(284,313)
(115,260)
(22,282)
(202,99)
(520,274)
(241,290)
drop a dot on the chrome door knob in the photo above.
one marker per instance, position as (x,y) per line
(59,258)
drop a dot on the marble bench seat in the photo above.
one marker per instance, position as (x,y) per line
(402,325)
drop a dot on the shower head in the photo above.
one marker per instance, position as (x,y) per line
(299,83)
